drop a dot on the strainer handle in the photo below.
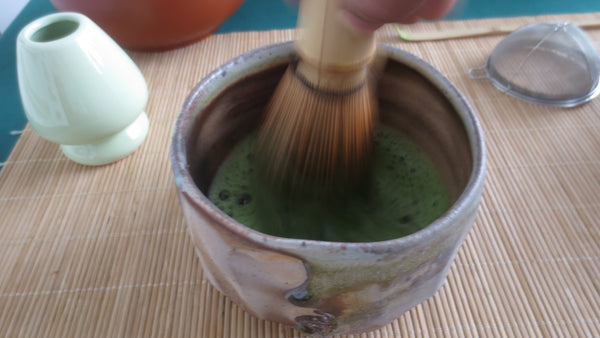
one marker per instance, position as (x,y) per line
(478,73)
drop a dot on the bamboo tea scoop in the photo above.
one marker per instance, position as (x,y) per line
(475,31)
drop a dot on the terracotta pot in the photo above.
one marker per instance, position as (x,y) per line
(154,24)
(317,286)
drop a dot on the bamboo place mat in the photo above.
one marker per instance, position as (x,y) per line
(104,252)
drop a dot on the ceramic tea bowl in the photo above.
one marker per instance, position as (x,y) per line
(317,286)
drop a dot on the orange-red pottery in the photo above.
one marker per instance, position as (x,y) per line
(154,24)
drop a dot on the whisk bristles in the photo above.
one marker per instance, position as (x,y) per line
(317,135)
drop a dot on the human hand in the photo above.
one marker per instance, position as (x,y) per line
(368,15)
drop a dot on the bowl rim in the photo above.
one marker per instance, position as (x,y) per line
(252,61)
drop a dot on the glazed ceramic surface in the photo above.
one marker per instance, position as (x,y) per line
(154,24)
(326,287)
(80,89)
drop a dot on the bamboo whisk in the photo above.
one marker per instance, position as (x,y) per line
(318,126)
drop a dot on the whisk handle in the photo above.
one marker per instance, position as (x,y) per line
(327,42)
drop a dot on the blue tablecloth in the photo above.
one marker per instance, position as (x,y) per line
(252,15)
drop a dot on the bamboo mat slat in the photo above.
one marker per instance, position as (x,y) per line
(103,251)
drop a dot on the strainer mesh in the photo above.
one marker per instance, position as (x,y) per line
(545,61)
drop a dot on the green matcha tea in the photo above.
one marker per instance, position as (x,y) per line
(402,194)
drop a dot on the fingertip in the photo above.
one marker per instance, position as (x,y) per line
(410,20)
(436,9)
(358,23)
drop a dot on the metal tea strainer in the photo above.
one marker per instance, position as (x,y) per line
(552,63)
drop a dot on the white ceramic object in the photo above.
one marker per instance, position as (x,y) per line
(80,89)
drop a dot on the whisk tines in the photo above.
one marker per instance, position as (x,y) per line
(314,136)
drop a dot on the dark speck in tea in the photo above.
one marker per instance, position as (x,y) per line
(224,195)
